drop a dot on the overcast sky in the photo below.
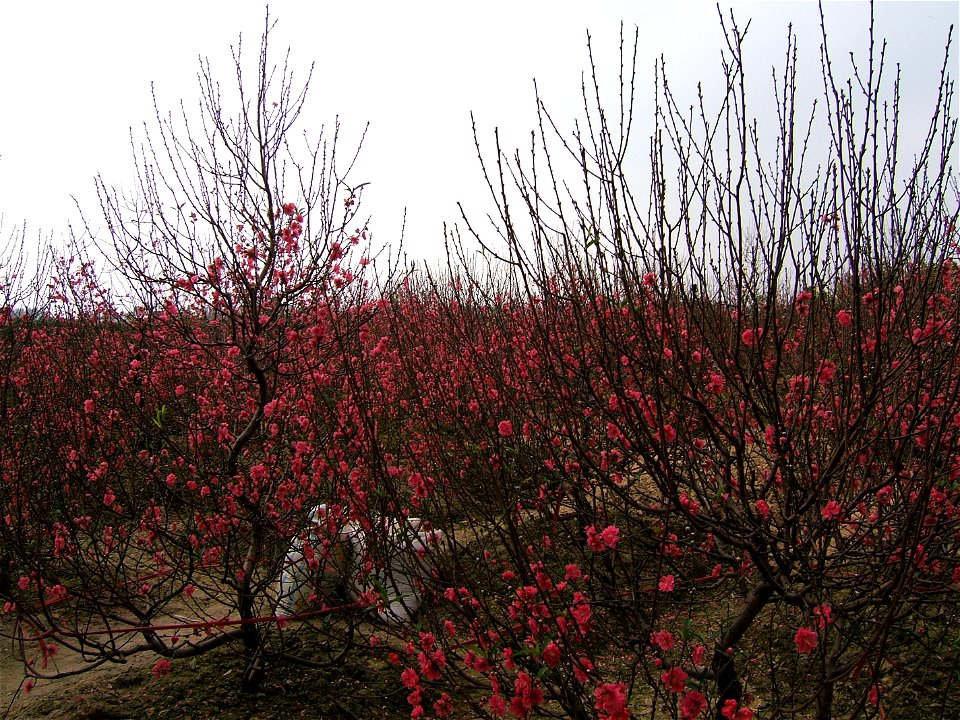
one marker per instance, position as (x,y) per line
(76,78)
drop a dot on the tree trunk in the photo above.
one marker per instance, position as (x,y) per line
(252,637)
(724,671)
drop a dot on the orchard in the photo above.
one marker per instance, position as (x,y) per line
(680,444)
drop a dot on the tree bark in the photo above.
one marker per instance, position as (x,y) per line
(724,671)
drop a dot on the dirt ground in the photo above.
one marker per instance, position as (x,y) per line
(203,688)
(206,686)
(98,693)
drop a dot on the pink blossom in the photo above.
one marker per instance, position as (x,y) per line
(580,669)
(497,705)
(698,652)
(732,711)
(573,572)
(844,318)
(716,383)
(692,705)
(666,583)
(551,654)
(763,509)
(594,539)
(832,510)
(161,667)
(662,639)
(527,695)
(410,678)
(675,679)
(606,539)
(611,700)
(430,664)
(581,612)
(443,706)
(611,536)
(751,337)
(505,428)
(805,640)
(828,371)
(823,613)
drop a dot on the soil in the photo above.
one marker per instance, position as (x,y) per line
(204,687)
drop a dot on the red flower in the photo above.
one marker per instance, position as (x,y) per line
(581,612)
(666,583)
(527,695)
(805,639)
(505,428)
(698,653)
(161,667)
(844,318)
(611,701)
(763,509)
(828,371)
(606,539)
(675,679)
(551,654)
(611,536)
(832,511)
(662,639)
(581,668)
(731,711)
(497,705)
(823,613)
(409,677)
(443,706)
(692,704)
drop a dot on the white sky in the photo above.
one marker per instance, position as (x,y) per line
(75,77)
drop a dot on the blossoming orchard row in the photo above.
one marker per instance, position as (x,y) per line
(663,465)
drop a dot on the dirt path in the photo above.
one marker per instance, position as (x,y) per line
(86,692)
(97,693)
